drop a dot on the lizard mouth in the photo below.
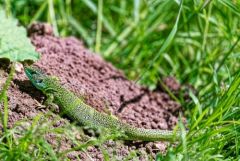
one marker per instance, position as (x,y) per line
(29,72)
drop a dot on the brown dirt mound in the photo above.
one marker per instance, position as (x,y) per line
(102,86)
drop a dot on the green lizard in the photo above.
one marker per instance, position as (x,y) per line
(74,108)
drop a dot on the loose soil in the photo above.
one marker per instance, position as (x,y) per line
(103,87)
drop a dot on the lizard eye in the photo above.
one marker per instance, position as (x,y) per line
(39,81)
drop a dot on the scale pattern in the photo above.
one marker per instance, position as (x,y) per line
(75,108)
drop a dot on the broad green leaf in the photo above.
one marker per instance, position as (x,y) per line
(14,44)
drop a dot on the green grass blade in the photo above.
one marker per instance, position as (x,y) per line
(80,29)
(52,16)
(106,23)
(39,12)
(99,27)
(165,45)
(234,7)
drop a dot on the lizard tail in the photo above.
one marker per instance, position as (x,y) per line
(133,133)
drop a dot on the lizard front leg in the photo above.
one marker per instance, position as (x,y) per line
(49,103)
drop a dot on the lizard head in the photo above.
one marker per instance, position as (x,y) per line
(39,79)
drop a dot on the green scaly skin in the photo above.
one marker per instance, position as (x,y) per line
(77,110)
